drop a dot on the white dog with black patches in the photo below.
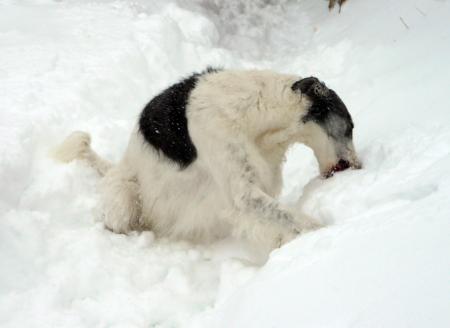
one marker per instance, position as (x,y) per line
(205,159)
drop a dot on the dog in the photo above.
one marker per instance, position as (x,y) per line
(205,158)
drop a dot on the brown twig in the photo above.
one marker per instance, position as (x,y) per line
(421,12)
(404,23)
(331,4)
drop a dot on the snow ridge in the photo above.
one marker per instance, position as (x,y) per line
(382,260)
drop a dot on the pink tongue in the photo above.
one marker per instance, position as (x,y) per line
(341,166)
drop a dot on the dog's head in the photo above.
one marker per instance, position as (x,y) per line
(327,127)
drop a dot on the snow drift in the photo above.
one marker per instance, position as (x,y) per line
(382,260)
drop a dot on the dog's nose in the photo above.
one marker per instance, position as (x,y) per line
(356,165)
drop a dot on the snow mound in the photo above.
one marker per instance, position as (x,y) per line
(382,260)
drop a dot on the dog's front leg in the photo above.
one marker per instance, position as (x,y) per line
(256,214)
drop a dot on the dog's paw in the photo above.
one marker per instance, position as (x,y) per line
(285,237)
(306,223)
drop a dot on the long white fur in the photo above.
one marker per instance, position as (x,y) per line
(242,123)
(78,146)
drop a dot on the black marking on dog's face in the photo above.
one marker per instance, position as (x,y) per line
(327,109)
(163,122)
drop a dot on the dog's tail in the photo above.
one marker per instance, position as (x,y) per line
(78,146)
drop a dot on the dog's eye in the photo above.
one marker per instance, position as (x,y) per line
(317,110)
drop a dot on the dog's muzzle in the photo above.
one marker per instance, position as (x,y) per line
(342,165)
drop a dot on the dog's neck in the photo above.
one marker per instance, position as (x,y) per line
(273,144)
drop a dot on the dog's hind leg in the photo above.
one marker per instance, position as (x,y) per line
(120,204)
(120,200)
(78,146)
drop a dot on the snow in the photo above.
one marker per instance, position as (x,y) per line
(382,260)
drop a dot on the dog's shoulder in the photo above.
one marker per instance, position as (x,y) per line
(163,122)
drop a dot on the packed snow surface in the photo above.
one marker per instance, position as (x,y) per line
(383,259)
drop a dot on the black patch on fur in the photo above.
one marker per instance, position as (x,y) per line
(163,121)
(327,108)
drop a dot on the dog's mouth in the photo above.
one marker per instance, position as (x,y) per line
(342,165)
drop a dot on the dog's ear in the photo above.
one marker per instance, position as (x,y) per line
(311,86)
(305,84)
